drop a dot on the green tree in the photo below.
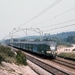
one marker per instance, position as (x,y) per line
(71,39)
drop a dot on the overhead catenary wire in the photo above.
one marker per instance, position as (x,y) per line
(60,27)
(58,23)
(57,28)
(54,16)
(57,16)
(42,12)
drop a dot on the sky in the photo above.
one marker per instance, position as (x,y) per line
(49,16)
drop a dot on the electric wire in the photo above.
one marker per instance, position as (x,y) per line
(42,12)
(58,23)
(60,27)
(56,28)
(53,17)
(57,16)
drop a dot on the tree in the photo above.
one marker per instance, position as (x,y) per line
(71,39)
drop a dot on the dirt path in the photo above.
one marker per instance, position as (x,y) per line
(12,69)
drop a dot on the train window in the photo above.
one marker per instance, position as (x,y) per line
(35,48)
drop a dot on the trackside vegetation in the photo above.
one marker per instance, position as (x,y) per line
(1,59)
(9,56)
(6,54)
(70,56)
(20,58)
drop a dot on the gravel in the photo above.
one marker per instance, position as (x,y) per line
(39,70)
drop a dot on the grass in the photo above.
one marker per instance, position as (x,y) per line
(70,56)
(6,50)
(6,54)
(9,56)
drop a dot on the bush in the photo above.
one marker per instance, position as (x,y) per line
(6,54)
(7,51)
(20,58)
(1,59)
(10,53)
(67,55)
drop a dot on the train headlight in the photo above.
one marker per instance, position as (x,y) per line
(48,51)
(52,48)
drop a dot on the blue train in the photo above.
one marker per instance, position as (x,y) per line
(46,48)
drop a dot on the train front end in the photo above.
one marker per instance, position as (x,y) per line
(51,49)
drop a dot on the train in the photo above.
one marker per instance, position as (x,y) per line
(44,48)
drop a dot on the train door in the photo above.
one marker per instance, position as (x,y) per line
(24,46)
(34,48)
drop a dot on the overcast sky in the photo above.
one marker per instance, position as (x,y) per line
(57,18)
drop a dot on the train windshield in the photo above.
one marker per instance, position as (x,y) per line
(53,47)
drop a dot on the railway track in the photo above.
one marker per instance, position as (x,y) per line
(65,63)
(47,67)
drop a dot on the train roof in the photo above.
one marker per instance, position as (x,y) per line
(39,42)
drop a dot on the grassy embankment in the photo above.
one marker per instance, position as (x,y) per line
(70,56)
(8,56)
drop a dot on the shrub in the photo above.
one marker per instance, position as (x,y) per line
(10,53)
(6,54)
(7,51)
(67,55)
(1,59)
(20,58)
